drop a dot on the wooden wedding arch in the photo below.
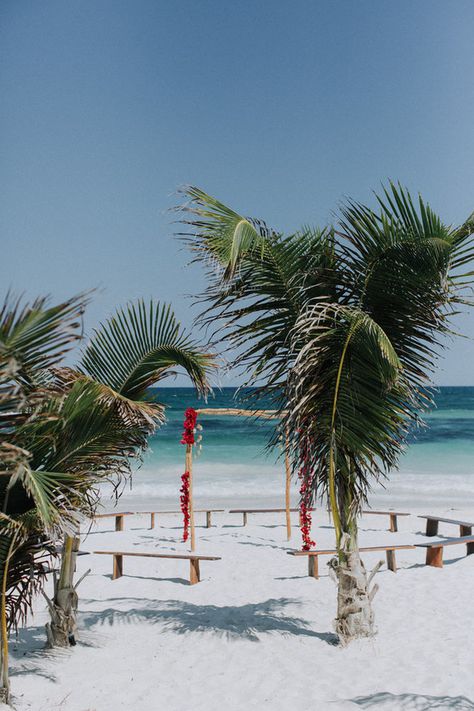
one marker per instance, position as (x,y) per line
(233,412)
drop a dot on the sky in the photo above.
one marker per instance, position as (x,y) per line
(280,109)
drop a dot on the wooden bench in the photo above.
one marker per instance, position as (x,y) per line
(208,513)
(194,575)
(393,517)
(314,555)
(119,516)
(432,524)
(434,551)
(245,512)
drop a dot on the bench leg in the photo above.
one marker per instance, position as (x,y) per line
(393,523)
(119,523)
(434,556)
(194,574)
(465,531)
(391,561)
(313,571)
(244,519)
(469,548)
(118,567)
(152,520)
(431,527)
(208,519)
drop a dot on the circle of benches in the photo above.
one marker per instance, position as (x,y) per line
(434,550)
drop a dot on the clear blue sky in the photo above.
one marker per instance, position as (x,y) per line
(279,108)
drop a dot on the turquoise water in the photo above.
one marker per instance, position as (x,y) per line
(233,467)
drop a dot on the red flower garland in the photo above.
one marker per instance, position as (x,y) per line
(305,501)
(184,500)
(190,417)
(305,520)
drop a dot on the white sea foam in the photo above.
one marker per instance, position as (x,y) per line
(236,484)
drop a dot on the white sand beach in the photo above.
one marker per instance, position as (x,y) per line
(256,633)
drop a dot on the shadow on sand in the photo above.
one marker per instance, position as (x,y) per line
(30,654)
(233,622)
(265,545)
(412,702)
(178,581)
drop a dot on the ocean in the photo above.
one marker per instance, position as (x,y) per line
(234,469)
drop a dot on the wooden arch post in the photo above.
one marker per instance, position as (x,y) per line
(265,414)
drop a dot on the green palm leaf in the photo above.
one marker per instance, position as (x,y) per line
(51,494)
(267,282)
(36,336)
(25,558)
(79,433)
(138,346)
(224,236)
(404,270)
(348,397)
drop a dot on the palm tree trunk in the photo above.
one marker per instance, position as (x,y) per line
(62,629)
(355,617)
(4,657)
(5,688)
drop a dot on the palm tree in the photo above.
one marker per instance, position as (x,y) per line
(34,502)
(345,324)
(140,345)
(79,434)
(62,433)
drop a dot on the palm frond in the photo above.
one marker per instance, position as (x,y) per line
(138,346)
(348,397)
(403,264)
(78,433)
(36,336)
(52,494)
(25,557)
(219,234)
(254,304)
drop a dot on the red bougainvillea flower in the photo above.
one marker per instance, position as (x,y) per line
(305,503)
(190,417)
(189,425)
(184,501)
